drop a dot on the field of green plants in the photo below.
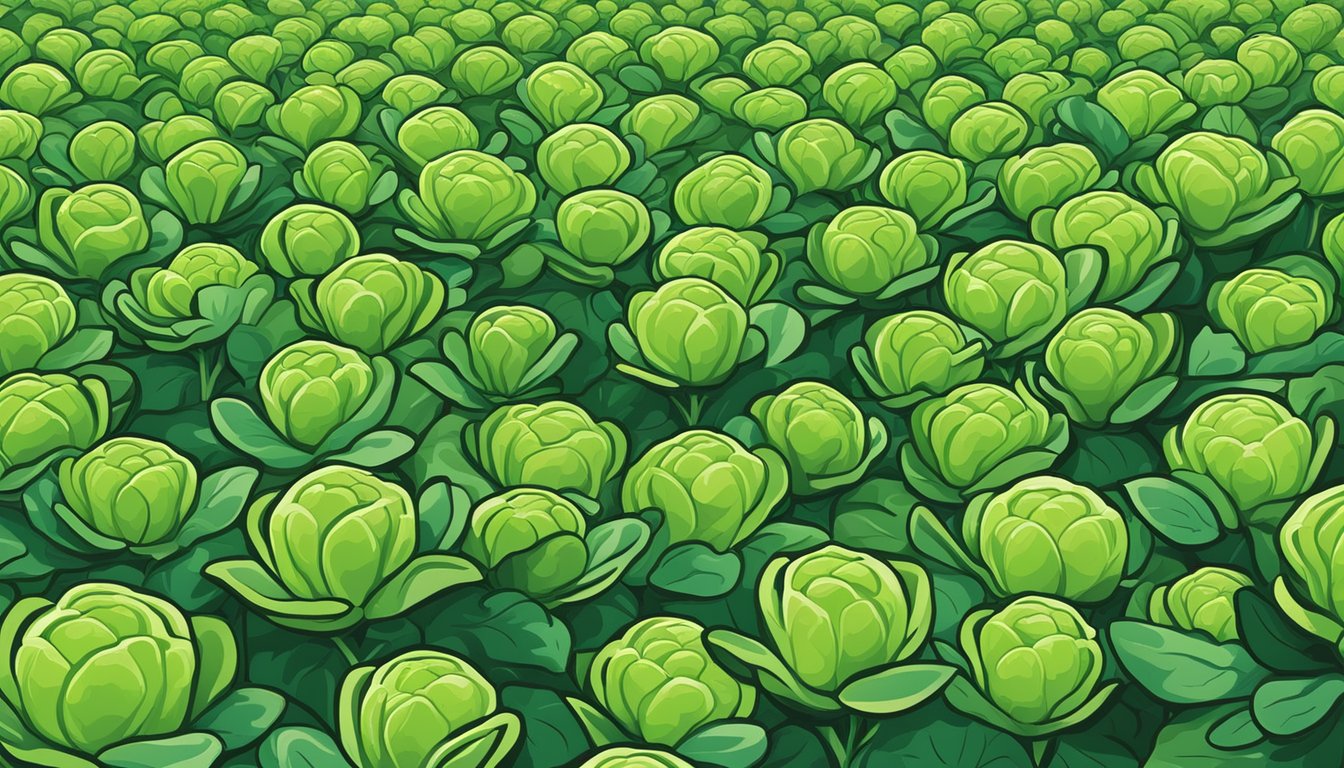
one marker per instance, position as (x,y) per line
(694,384)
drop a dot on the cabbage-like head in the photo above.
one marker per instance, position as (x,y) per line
(552,445)
(1201,601)
(835,613)
(660,684)
(1050,536)
(1036,659)
(1254,448)
(708,487)
(865,248)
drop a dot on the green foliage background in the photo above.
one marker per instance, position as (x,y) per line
(798,382)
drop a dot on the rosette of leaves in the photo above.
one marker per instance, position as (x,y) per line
(132,494)
(206,291)
(505,353)
(322,402)
(341,546)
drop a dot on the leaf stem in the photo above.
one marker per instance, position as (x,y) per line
(209,371)
(691,409)
(345,649)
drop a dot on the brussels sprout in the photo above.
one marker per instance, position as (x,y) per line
(1013,292)
(19,134)
(1044,177)
(1036,660)
(858,92)
(1212,180)
(257,56)
(242,104)
(1130,235)
(770,109)
(679,53)
(308,239)
(372,302)
(36,88)
(824,437)
(989,130)
(1141,41)
(339,174)
(822,154)
(728,190)
(131,489)
(1101,357)
(976,429)
(599,52)
(1312,142)
(1253,448)
(162,140)
(107,74)
(36,315)
(43,413)
(1312,26)
(16,196)
(1271,309)
(954,36)
(947,98)
(1328,87)
(1036,94)
(408,93)
(1217,81)
(1144,102)
(910,65)
(1309,541)
(580,156)
(1001,17)
(419,707)
(89,229)
(734,261)
(925,184)
(1270,60)
(560,93)
(661,122)
(469,195)
(689,330)
(63,47)
(864,249)
(472,24)
(436,131)
(1092,63)
(364,77)
(835,614)
(778,62)
(658,682)
(105,664)
(329,56)
(201,78)
(1049,536)
(316,113)
(720,93)
(103,150)
(1018,55)
(172,292)
(708,488)
(204,179)
(171,57)
(506,343)
(634,757)
(528,33)
(310,388)
(552,445)
(485,70)
(529,539)
(339,533)
(1200,601)
(911,355)
(603,227)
